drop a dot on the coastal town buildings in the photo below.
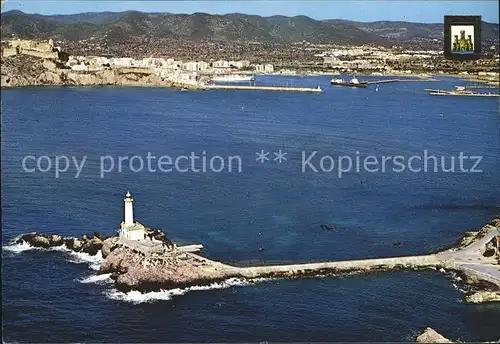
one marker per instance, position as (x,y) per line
(240,64)
(264,68)
(321,58)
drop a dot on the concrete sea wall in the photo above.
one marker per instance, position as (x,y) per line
(341,266)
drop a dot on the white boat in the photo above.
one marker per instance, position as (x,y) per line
(233,78)
(354,82)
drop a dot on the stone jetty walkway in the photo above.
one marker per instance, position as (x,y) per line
(469,260)
(151,265)
(408,262)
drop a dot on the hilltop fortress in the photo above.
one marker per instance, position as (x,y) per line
(45,50)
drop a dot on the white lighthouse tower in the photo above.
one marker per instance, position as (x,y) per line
(130,229)
(129,210)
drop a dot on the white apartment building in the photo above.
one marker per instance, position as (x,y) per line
(268,68)
(221,64)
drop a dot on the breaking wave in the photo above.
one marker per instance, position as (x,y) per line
(94,262)
(18,248)
(98,279)
(136,297)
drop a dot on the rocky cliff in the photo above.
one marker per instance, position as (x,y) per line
(18,71)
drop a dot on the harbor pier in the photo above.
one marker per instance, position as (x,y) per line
(398,80)
(362,265)
(265,88)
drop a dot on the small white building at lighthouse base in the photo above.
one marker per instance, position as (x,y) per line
(135,232)
(130,229)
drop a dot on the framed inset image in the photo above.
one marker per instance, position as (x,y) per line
(462,37)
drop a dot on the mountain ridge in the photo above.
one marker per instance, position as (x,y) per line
(126,26)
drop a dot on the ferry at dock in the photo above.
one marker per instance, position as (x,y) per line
(233,78)
(354,82)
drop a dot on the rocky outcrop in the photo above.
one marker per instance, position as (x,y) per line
(483,297)
(429,335)
(492,248)
(470,237)
(91,245)
(133,269)
(108,245)
(41,240)
(160,236)
(74,244)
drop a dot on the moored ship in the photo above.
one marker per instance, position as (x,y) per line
(354,82)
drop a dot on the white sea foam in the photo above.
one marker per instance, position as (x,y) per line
(61,248)
(94,262)
(463,291)
(14,247)
(136,297)
(98,279)
(18,248)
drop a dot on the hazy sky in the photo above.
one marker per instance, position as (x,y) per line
(430,11)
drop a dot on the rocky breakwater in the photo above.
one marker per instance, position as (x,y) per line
(145,267)
(21,70)
(156,263)
(148,266)
(90,244)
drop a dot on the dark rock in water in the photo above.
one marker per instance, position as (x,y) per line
(74,244)
(41,240)
(98,235)
(261,249)
(56,240)
(26,238)
(92,246)
(328,227)
(396,243)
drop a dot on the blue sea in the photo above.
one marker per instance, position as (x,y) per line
(260,212)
